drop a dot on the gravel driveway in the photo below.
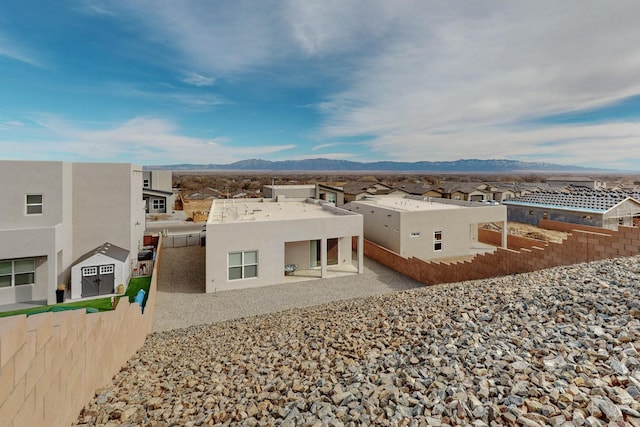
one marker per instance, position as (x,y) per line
(182,302)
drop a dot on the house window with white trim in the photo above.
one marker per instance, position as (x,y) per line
(243,265)
(158,204)
(437,240)
(17,272)
(34,204)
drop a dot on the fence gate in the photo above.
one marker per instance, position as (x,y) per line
(181,240)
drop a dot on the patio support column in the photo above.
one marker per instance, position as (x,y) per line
(360,254)
(504,234)
(323,257)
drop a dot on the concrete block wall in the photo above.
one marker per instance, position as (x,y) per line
(51,364)
(579,246)
(513,242)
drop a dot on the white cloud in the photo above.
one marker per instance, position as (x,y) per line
(10,124)
(602,145)
(469,70)
(17,52)
(332,156)
(196,79)
(142,140)
(167,95)
(426,80)
(323,146)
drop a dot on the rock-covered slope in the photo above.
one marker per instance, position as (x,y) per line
(555,347)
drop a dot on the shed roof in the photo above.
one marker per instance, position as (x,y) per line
(107,249)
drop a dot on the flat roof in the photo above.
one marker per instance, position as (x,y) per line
(293,186)
(229,211)
(403,204)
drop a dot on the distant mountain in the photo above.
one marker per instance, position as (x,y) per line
(465,165)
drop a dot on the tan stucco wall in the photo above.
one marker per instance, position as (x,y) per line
(48,361)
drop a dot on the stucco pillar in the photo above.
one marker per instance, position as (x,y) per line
(360,254)
(323,257)
(504,234)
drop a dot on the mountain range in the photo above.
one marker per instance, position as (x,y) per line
(459,166)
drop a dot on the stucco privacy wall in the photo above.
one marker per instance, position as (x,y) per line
(580,246)
(51,364)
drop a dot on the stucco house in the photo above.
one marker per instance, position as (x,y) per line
(330,193)
(53,213)
(157,191)
(597,208)
(576,181)
(427,228)
(250,241)
(466,191)
(289,191)
(356,190)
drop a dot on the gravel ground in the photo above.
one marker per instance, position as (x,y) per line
(556,347)
(182,302)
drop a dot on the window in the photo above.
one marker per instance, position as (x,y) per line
(158,204)
(145,183)
(34,204)
(331,197)
(414,234)
(243,265)
(89,271)
(530,212)
(106,269)
(437,240)
(17,272)
(332,252)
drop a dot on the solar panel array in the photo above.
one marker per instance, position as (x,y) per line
(578,197)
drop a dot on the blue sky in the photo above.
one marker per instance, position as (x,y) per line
(164,82)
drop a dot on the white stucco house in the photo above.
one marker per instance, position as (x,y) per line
(428,228)
(53,213)
(250,241)
(157,191)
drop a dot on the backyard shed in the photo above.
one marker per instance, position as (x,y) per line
(100,271)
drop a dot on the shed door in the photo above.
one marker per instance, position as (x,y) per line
(106,278)
(97,280)
(89,281)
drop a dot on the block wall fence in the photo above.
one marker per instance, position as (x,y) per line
(51,364)
(583,244)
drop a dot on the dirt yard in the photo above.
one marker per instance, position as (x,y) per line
(197,210)
(531,231)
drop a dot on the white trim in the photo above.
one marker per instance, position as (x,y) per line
(243,264)
(33,205)
(437,240)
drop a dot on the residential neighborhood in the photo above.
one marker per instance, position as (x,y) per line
(78,237)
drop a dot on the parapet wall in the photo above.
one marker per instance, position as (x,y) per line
(579,246)
(52,363)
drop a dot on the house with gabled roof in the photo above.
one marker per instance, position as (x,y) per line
(466,191)
(356,190)
(576,181)
(414,188)
(597,208)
